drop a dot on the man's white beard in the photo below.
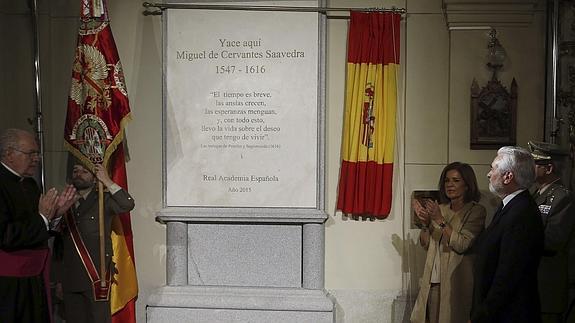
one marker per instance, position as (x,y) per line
(496,189)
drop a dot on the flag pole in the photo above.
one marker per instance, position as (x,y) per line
(39,126)
(103,276)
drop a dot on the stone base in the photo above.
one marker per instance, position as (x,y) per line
(239,304)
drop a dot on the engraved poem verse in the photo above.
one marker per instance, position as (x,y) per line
(241,109)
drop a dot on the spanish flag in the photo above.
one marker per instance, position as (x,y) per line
(366,173)
(98,111)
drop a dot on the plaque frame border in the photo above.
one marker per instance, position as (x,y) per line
(200,214)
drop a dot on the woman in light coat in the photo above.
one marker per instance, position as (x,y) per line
(448,231)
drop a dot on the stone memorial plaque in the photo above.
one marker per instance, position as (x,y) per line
(241,110)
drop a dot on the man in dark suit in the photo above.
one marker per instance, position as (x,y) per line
(24,221)
(556,206)
(81,252)
(507,253)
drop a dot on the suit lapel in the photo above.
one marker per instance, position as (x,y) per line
(497,216)
(501,212)
(457,222)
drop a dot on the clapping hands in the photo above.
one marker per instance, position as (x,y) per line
(427,210)
(421,212)
(52,204)
(66,200)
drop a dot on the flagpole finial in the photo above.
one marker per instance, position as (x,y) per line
(94,9)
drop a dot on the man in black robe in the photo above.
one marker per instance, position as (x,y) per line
(24,221)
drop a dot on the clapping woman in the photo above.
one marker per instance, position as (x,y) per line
(448,231)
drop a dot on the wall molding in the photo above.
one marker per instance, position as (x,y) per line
(464,14)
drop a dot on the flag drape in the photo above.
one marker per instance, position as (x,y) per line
(98,110)
(366,174)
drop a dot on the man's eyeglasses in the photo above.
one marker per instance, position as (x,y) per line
(30,154)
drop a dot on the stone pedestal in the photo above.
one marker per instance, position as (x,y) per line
(241,246)
(243,272)
(239,304)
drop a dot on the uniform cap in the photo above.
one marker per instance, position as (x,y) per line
(544,152)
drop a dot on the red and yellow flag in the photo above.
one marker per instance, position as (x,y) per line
(98,110)
(366,174)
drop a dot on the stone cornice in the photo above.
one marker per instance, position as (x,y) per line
(490,13)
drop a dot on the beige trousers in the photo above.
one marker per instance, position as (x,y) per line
(433,304)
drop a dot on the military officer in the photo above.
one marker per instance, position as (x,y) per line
(555,202)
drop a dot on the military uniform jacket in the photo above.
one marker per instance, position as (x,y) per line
(72,273)
(556,208)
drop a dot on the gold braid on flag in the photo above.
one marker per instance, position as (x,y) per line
(98,109)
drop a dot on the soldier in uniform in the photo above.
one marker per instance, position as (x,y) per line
(80,232)
(556,207)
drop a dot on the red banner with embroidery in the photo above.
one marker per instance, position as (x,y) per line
(98,110)
(366,174)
